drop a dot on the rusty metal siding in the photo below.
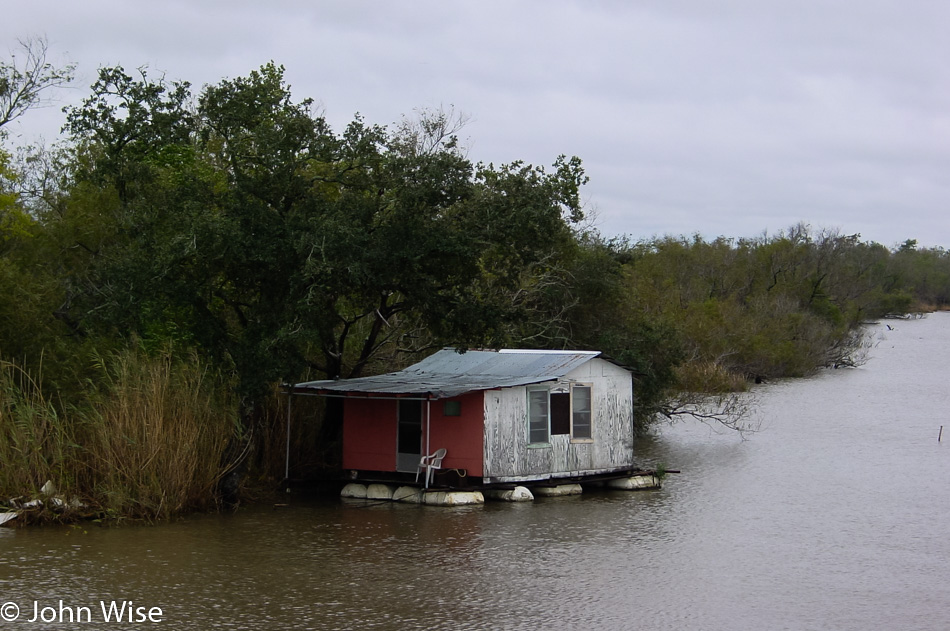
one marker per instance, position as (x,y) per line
(508,456)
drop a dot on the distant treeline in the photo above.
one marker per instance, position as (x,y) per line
(713,316)
(175,257)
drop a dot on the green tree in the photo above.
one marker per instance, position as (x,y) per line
(246,227)
(27,329)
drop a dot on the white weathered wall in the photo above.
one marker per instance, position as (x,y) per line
(507,455)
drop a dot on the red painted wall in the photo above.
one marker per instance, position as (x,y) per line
(369,434)
(462,436)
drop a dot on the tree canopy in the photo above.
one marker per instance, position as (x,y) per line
(242,223)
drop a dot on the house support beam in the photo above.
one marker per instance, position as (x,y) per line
(290,398)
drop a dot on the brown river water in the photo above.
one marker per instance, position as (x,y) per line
(835,515)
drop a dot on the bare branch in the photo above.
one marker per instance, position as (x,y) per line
(27,77)
(431,131)
(734,410)
(850,351)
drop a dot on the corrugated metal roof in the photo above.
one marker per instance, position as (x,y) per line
(449,373)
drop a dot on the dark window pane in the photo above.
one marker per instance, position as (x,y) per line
(560,413)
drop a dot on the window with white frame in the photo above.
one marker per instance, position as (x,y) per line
(559,411)
(581,412)
(538,417)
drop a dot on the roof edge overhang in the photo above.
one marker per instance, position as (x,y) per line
(340,388)
(446,374)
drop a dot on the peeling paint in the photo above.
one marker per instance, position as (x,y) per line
(508,456)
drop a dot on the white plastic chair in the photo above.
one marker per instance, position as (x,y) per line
(433,461)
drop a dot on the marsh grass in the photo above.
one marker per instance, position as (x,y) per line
(35,441)
(147,439)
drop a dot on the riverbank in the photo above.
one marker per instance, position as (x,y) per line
(805,525)
(150,442)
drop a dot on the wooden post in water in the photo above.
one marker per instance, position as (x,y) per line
(940,435)
(290,397)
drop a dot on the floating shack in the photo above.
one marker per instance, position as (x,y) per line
(488,420)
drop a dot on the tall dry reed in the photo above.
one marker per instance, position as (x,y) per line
(148,440)
(156,441)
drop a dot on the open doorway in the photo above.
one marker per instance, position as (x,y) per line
(409,436)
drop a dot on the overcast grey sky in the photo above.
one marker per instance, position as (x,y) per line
(727,118)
